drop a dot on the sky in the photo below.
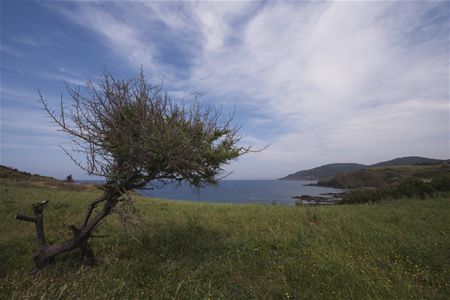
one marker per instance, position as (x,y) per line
(320,82)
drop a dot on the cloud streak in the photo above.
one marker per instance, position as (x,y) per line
(339,81)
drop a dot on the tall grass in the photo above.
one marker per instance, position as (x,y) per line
(397,249)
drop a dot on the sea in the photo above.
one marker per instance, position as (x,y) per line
(242,191)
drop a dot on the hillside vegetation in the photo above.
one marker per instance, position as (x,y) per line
(330,170)
(386,176)
(12,176)
(324,171)
(180,250)
(408,160)
(20,177)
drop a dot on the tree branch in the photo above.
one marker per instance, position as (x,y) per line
(91,208)
(25,218)
(38,220)
(38,213)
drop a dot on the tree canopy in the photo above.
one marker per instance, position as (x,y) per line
(133,133)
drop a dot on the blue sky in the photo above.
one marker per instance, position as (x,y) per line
(320,82)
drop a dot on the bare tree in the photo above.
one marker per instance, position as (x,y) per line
(131,133)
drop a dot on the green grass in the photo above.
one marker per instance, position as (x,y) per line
(397,249)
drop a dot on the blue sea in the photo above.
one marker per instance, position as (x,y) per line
(242,191)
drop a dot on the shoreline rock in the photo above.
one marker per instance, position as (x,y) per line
(330,199)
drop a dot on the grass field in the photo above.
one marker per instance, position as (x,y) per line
(181,250)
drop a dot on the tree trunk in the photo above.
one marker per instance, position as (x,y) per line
(47,252)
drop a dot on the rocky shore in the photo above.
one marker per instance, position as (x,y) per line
(324,199)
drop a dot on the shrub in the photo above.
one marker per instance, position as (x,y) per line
(69,178)
(409,188)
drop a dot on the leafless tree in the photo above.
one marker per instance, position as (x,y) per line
(131,133)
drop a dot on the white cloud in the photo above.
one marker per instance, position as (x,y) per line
(124,38)
(330,72)
(30,123)
(19,95)
(346,81)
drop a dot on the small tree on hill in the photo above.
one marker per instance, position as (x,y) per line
(131,133)
(69,178)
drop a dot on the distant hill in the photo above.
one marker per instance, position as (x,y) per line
(331,170)
(324,171)
(11,176)
(382,176)
(7,173)
(408,160)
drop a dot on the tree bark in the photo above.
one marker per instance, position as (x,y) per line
(38,222)
(47,252)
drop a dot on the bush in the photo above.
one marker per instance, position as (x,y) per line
(441,183)
(69,178)
(410,188)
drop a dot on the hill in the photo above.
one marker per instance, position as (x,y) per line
(408,160)
(183,250)
(330,170)
(11,176)
(324,171)
(379,177)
